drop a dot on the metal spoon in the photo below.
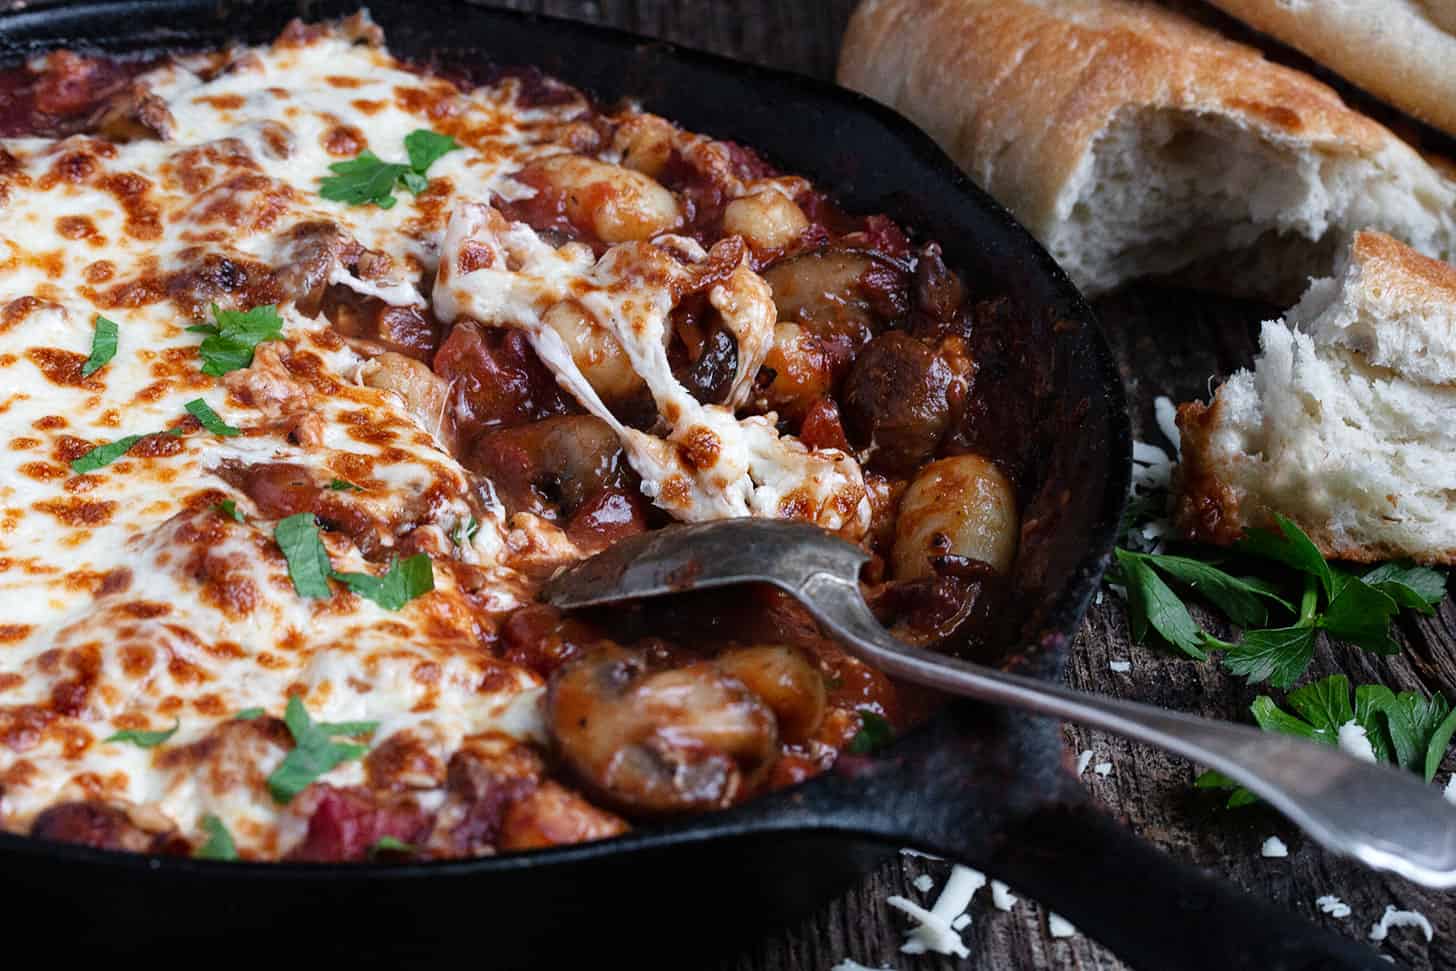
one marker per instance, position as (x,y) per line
(1384,817)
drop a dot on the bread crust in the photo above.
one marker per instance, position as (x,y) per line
(1398,50)
(1017,91)
(1213,500)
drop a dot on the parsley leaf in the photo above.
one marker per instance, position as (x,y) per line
(248,714)
(200,410)
(103,346)
(364,179)
(369,179)
(1241,598)
(308,561)
(1406,729)
(404,581)
(1278,655)
(463,533)
(219,845)
(1418,587)
(1150,602)
(874,734)
(103,455)
(144,739)
(229,508)
(425,147)
(1294,549)
(342,485)
(1360,613)
(231,339)
(314,750)
(391,844)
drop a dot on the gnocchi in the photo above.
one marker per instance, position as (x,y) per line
(618,204)
(961,506)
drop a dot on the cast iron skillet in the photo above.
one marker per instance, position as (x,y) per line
(981,785)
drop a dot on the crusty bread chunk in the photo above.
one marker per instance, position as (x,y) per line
(1134,142)
(1346,423)
(1401,51)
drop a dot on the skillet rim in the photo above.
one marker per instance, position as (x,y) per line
(42,25)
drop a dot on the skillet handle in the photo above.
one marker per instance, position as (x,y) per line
(993,790)
(1152,911)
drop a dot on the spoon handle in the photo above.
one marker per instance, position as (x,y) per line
(1384,817)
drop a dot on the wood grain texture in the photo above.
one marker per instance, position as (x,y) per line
(1168,343)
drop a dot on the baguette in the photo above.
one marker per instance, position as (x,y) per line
(1346,423)
(1401,51)
(1134,142)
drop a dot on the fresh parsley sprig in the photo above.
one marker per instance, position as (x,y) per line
(1406,729)
(234,334)
(314,750)
(1353,608)
(369,179)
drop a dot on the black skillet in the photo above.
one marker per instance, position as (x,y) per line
(982,785)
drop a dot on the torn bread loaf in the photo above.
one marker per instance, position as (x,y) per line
(1133,142)
(1401,51)
(1347,421)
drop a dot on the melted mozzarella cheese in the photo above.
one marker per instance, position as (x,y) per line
(711,464)
(126,599)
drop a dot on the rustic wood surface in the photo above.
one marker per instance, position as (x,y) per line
(1169,343)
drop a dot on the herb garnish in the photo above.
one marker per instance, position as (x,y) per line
(344,485)
(1405,729)
(248,714)
(310,569)
(233,336)
(390,844)
(314,750)
(104,455)
(103,346)
(229,508)
(402,582)
(200,410)
(1353,608)
(874,734)
(369,179)
(219,845)
(463,533)
(144,739)
(308,562)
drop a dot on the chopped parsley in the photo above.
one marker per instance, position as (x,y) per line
(314,750)
(229,508)
(233,336)
(219,845)
(248,714)
(402,582)
(344,485)
(369,179)
(310,569)
(874,734)
(1307,596)
(144,739)
(391,844)
(464,532)
(200,410)
(103,455)
(1405,729)
(103,346)
(308,562)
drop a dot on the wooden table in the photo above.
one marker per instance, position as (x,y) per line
(1169,343)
